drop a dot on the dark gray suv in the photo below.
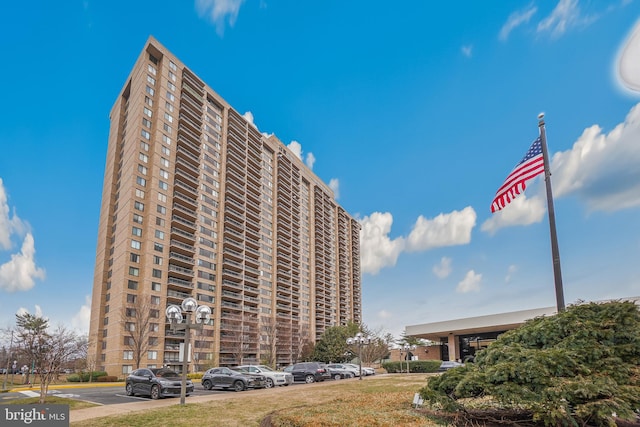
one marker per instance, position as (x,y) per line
(310,372)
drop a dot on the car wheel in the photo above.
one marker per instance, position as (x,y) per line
(286,384)
(268,383)
(155,392)
(337,377)
(207,385)
(309,379)
(238,386)
(129,389)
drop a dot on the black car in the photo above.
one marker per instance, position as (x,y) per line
(229,379)
(310,372)
(156,382)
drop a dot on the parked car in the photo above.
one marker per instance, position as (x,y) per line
(366,370)
(156,382)
(343,366)
(226,378)
(339,373)
(273,378)
(310,372)
(449,364)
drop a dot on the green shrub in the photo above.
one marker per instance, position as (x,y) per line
(195,376)
(415,366)
(83,377)
(579,367)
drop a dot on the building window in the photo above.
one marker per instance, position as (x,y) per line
(141,181)
(151,80)
(153,340)
(127,355)
(171,86)
(134,271)
(144,158)
(136,231)
(153,327)
(164,174)
(155,286)
(168,117)
(142,169)
(166,139)
(166,151)
(157,260)
(148,101)
(168,106)
(163,185)
(134,258)
(145,134)
(172,66)
(171,97)
(151,69)
(146,123)
(172,76)
(158,247)
(135,244)
(150,90)
(139,193)
(156,273)
(155,300)
(137,218)
(130,326)
(130,312)
(159,221)
(155,314)
(161,210)
(131,299)
(162,198)
(159,234)
(139,206)
(152,355)
(167,128)
(126,369)
(132,285)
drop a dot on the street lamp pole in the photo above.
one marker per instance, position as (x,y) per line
(407,348)
(360,340)
(175,318)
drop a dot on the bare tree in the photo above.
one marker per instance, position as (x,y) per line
(270,333)
(303,347)
(378,349)
(52,351)
(137,327)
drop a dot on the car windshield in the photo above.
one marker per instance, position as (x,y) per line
(165,373)
(266,368)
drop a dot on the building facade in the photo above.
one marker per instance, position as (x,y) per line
(198,203)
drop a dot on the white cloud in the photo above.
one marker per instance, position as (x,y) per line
(20,272)
(564,16)
(515,20)
(295,148)
(444,230)
(470,283)
(377,249)
(443,269)
(80,321)
(219,11)
(467,50)
(384,314)
(248,116)
(602,169)
(8,224)
(510,272)
(628,63)
(521,211)
(311,159)
(334,185)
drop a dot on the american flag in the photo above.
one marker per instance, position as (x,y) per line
(530,166)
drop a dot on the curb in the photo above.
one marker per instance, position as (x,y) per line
(36,387)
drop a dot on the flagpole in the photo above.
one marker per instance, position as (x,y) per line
(555,253)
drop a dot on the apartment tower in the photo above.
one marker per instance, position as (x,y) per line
(198,203)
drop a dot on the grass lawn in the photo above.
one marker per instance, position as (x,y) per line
(373,401)
(73,404)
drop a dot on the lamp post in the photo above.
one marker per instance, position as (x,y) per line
(408,347)
(360,340)
(175,318)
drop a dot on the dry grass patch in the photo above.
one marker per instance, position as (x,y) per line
(73,404)
(374,401)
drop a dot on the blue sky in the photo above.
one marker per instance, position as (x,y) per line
(413,112)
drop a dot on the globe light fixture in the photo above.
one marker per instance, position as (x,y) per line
(359,340)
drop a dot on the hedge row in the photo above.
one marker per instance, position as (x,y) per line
(83,377)
(415,366)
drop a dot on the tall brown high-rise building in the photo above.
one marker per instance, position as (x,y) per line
(198,203)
